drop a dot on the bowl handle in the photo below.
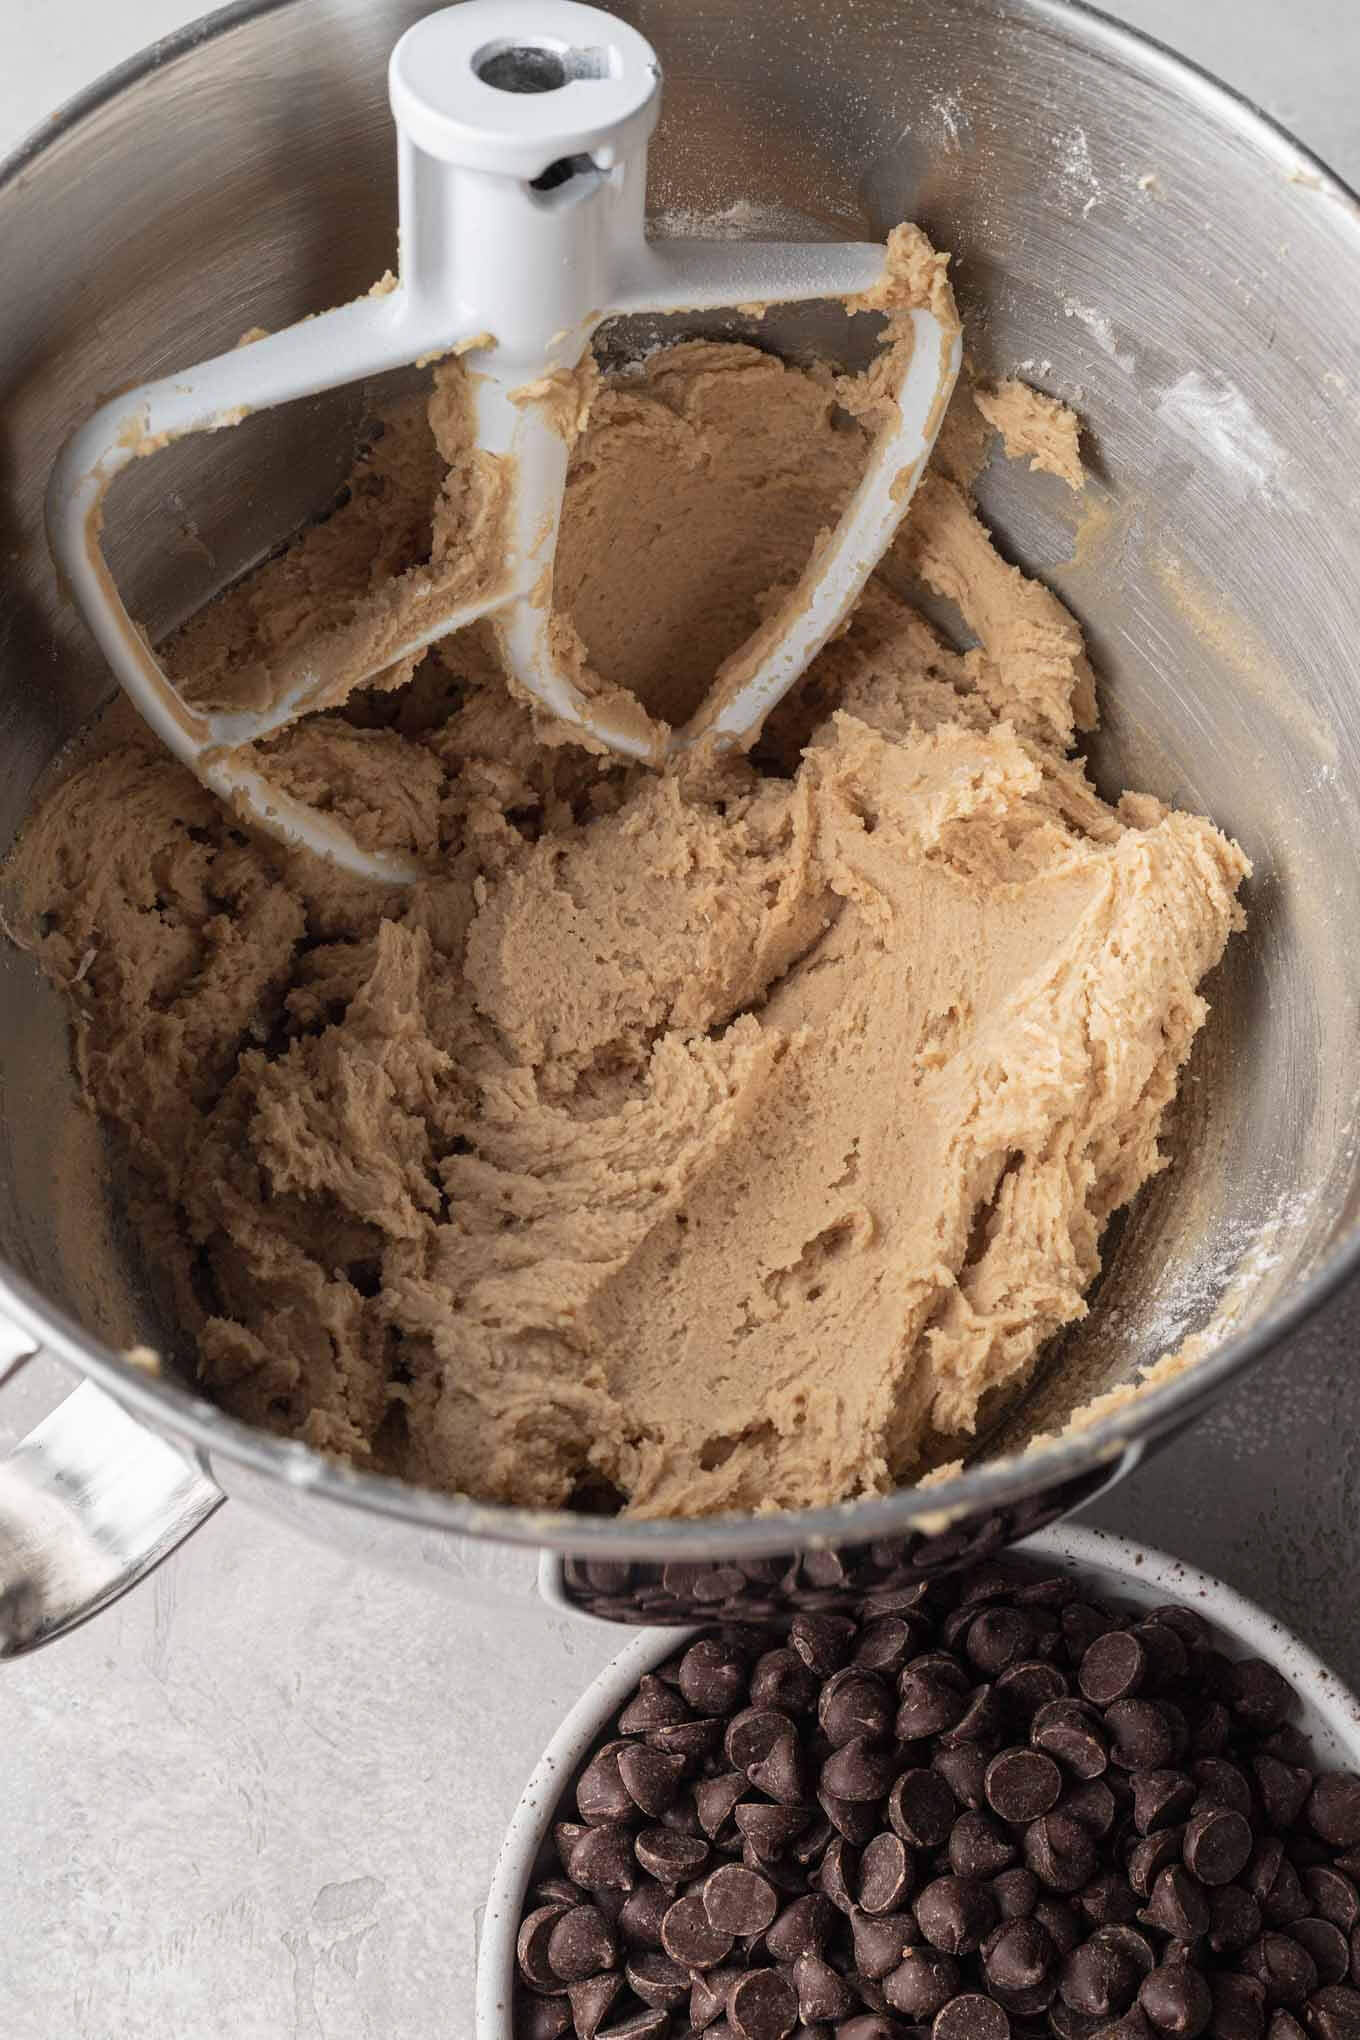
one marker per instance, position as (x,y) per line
(90,1503)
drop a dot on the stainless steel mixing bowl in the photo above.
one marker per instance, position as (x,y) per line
(1126,234)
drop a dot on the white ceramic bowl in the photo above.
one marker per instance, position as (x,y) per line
(1329,1715)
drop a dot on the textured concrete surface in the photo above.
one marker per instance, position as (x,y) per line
(261,1798)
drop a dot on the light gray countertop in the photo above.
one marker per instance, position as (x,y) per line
(261,1798)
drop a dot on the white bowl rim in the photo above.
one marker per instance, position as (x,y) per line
(1077,1546)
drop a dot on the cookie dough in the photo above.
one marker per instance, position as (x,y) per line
(726,1140)
(1036,428)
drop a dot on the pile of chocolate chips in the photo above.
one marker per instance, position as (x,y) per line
(990,1807)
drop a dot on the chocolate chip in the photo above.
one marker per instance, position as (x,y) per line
(673,1859)
(602,1860)
(1060,1852)
(715,1800)
(955,1914)
(1102,1977)
(1091,1802)
(880,1944)
(1234,1919)
(531,1947)
(1177,2000)
(1071,1731)
(1108,1900)
(1020,1784)
(964,1770)
(823,1642)
(886,1874)
(861,1770)
(839,1871)
(1283,1966)
(601,1794)
(884,1644)
(931,1698)
(979,1847)
(1333,1809)
(971,2016)
(1016,1893)
(1284,1902)
(1018,1957)
(983,1720)
(763,1742)
(691,1740)
(803,1928)
(1223,1784)
(1000,1637)
(763,2006)
(650,1777)
(642,1912)
(709,1992)
(1178,1904)
(689,1936)
(822,1994)
(1167,1656)
(781,1680)
(922,1984)
(1211,1729)
(1114,1667)
(1333,2013)
(1328,1946)
(921,1809)
(1333,1896)
(1239,2007)
(768,1830)
(1217,1845)
(1142,1735)
(809,1848)
(1284,2026)
(644,2025)
(1030,1685)
(654,1705)
(1150,1856)
(1266,1861)
(713,1676)
(856,1819)
(854,1703)
(541,2018)
(657,1980)
(872,2026)
(1160,1799)
(580,1944)
(1258,1694)
(1283,1789)
(592,1998)
(738,1901)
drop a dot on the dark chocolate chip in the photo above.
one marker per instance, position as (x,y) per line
(654,1705)
(1328,1946)
(1283,1789)
(1259,1695)
(861,1770)
(1060,1852)
(768,1830)
(1178,1904)
(874,2026)
(964,1770)
(887,1874)
(983,1720)
(689,1936)
(1211,1730)
(804,1927)
(581,1944)
(971,2016)
(1113,1668)
(1028,1686)
(672,1858)
(1016,1893)
(1091,1802)
(822,1994)
(980,1847)
(713,1676)
(1061,1923)
(839,1872)
(1222,1784)
(692,1740)
(1020,1784)
(601,1794)
(1160,1799)
(1101,1978)
(923,1982)
(1000,1637)
(531,1946)
(781,1680)
(1234,1919)
(642,1912)
(1284,1902)
(1150,1856)
(715,1800)
(812,1844)
(931,1697)
(1018,1957)
(763,1742)
(1284,2026)
(603,1860)
(1071,1731)
(1177,1999)
(657,1980)
(955,1914)
(823,1642)
(650,1777)
(1333,1809)
(1333,2013)
(854,1703)
(1239,2007)
(856,1819)
(763,2006)
(1108,1900)
(884,1644)
(1284,1966)
(738,1901)
(1142,1735)
(1082,1623)
(921,1809)
(1332,1895)
(1217,1845)
(642,2025)
(1168,1659)
(709,1992)
(880,1944)
(541,2018)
